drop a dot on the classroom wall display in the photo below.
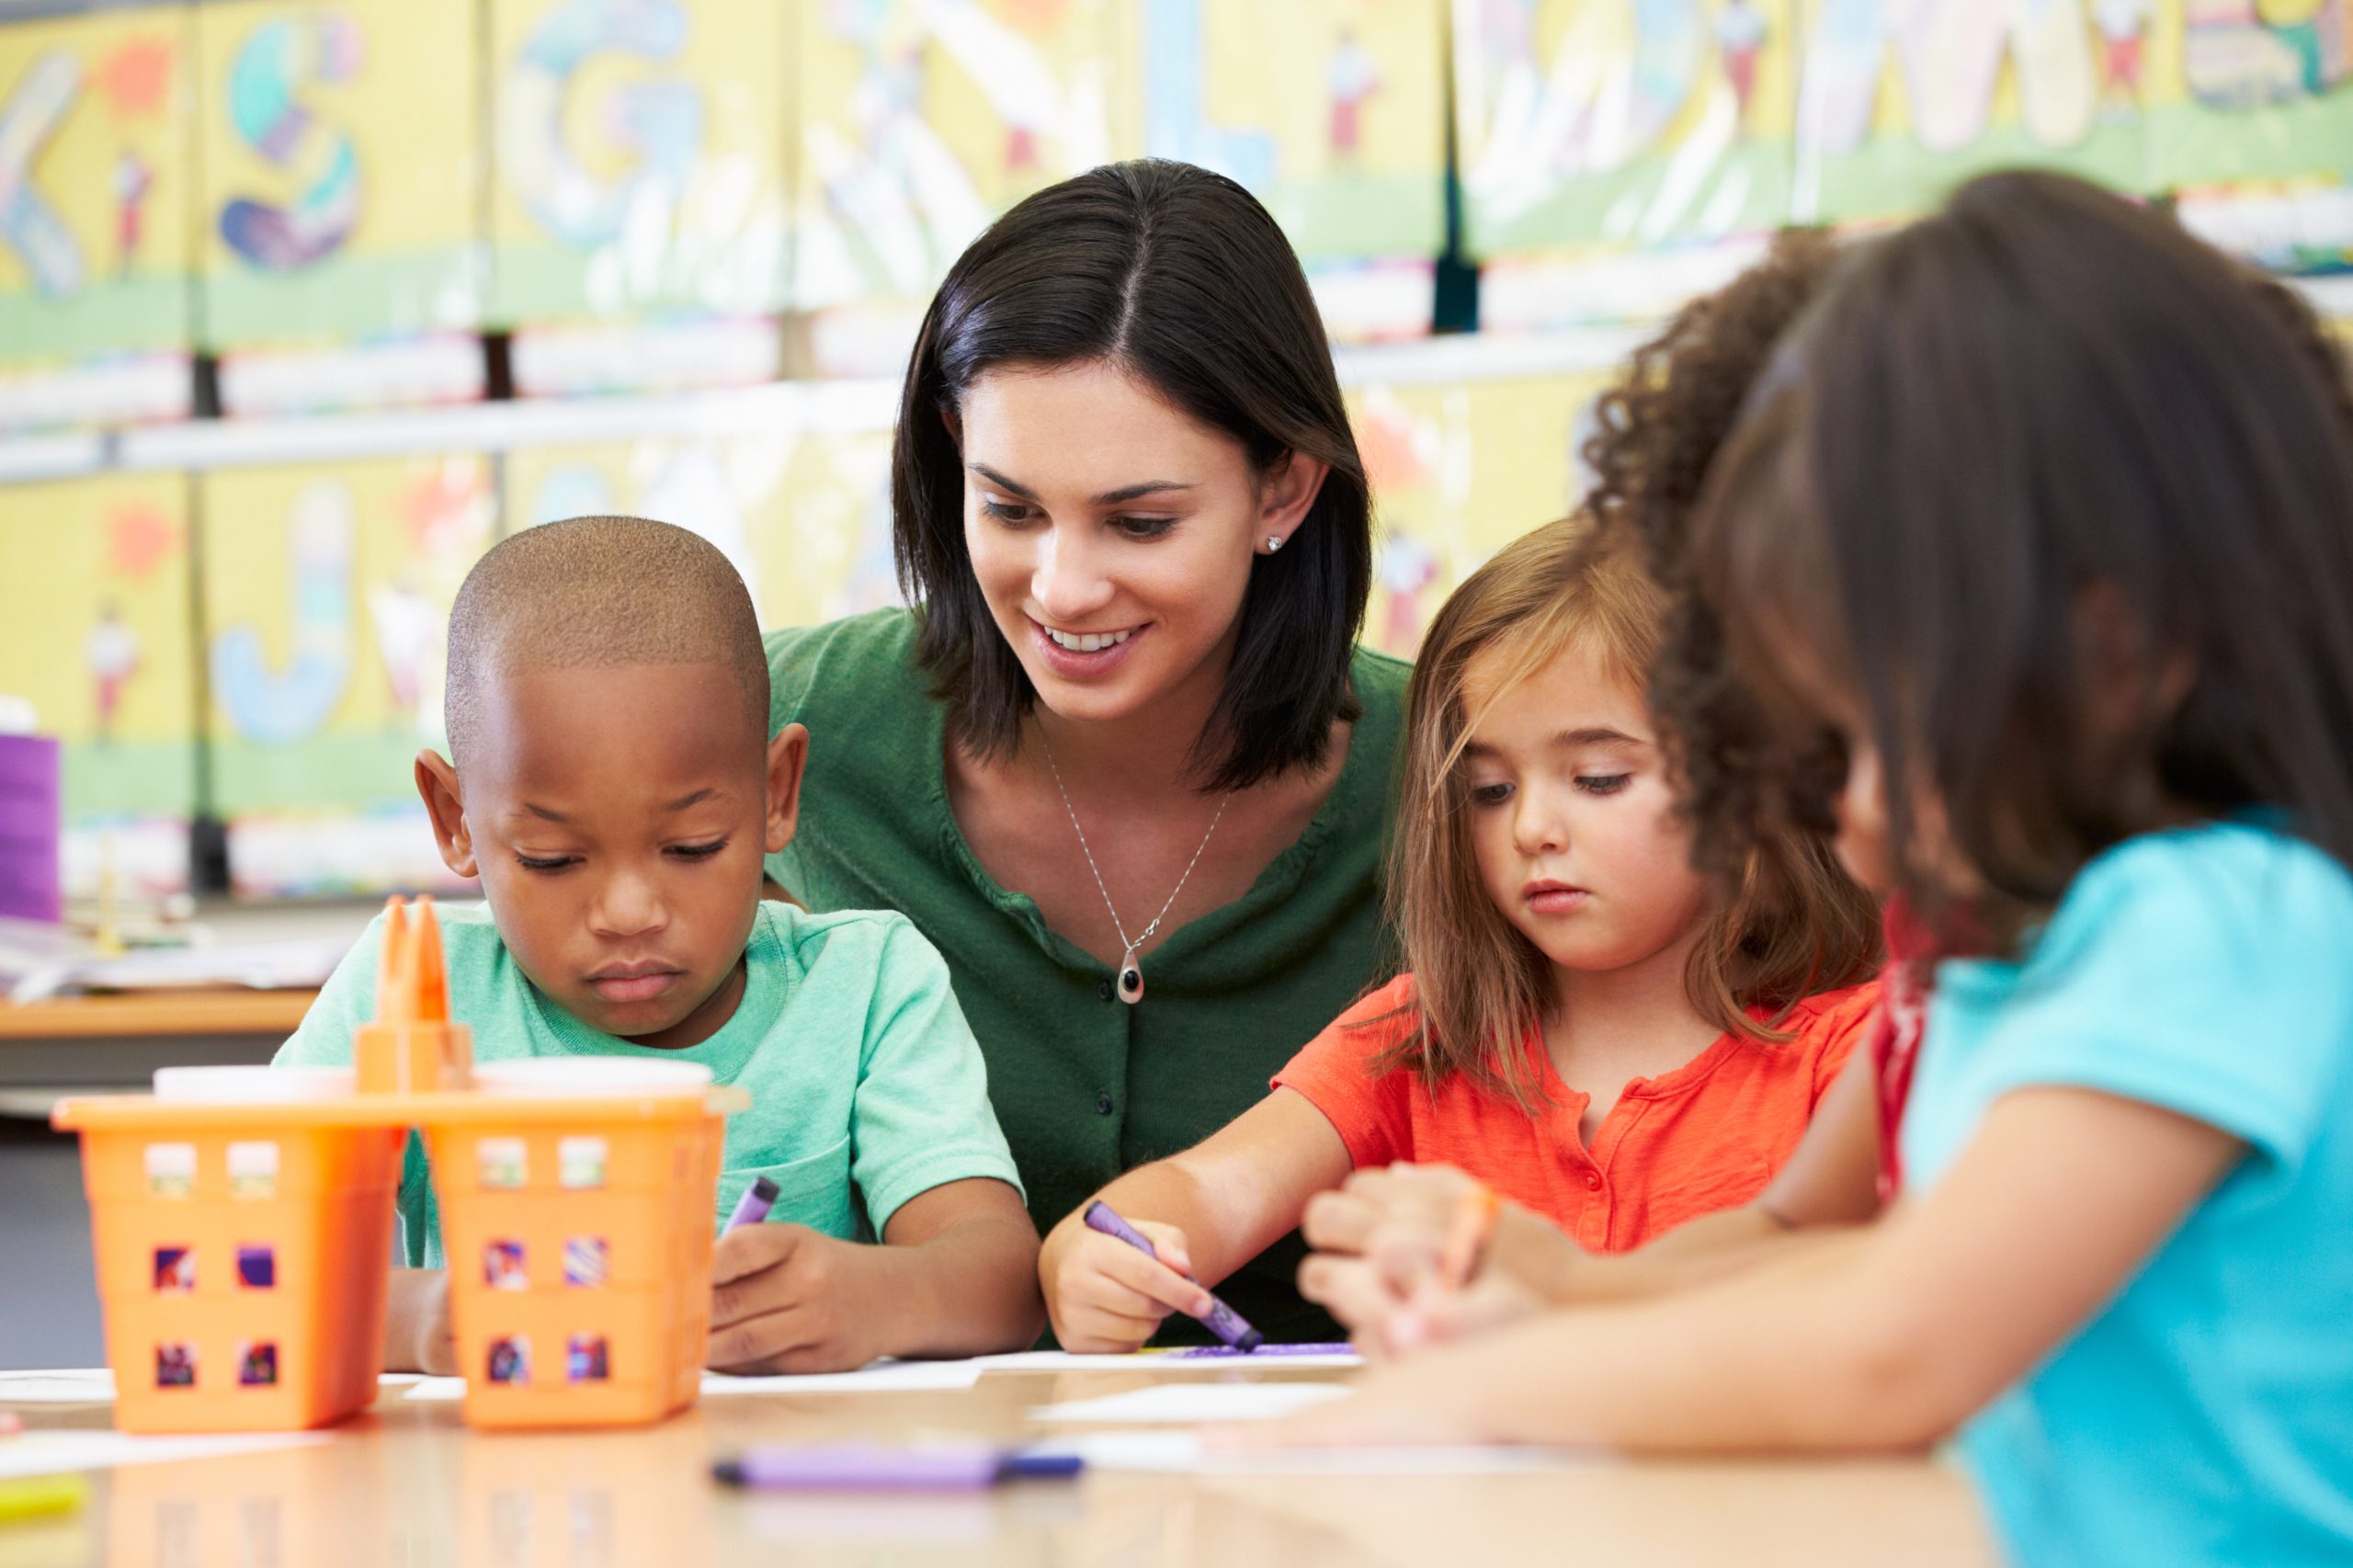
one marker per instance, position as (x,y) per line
(95,182)
(805,518)
(920,121)
(95,632)
(326,598)
(2266,91)
(1631,122)
(342,157)
(1458,470)
(1331,111)
(1646,122)
(637,157)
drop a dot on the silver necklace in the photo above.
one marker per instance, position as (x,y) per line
(1130,971)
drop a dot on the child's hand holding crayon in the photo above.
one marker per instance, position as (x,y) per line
(1106,1297)
(789,1298)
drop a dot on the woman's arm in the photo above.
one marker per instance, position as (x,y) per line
(1207,1211)
(1880,1337)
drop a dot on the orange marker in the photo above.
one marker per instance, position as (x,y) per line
(1466,1241)
(412,1047)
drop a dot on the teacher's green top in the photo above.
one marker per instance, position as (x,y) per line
(1086,1085)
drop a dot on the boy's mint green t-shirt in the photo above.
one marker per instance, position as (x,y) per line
(867,1086)
(2205,1415)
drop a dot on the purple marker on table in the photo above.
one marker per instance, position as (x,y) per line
(1221,1319)
(869,1467)
(754,1205)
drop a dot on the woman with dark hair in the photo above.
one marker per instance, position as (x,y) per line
(1123,763)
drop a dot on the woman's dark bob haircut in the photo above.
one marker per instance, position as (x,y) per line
(1179,276)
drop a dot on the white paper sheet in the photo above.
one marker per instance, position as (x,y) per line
(1272,1358)
(51,1452)
(880,1376)
(1182,1453)
(1195,1404)
(65,1385)
(95,1385)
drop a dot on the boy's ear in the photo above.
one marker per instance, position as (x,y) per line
(788,756)
(437,781)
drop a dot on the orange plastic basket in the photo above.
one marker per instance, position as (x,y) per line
(243,1248)
(242,1254)
(579,1236)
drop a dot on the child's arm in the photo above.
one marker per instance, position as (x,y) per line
(418,1337)
(1881,1338)
(1207,1211)
(1377,1239)
(956,1276)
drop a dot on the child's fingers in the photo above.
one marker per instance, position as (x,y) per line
(1337,1221)
(1167,1241)
(1122,1264)
(1404,1258)
(1347,1289)
(1094,1331)
(752,1249)
(759,1344)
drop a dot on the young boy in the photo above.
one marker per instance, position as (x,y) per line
(612,782)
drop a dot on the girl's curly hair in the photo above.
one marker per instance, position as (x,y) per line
(1655,433)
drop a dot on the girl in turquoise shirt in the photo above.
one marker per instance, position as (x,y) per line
(2043,518)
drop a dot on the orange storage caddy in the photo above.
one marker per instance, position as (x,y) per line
(242,1220)
(579,1233)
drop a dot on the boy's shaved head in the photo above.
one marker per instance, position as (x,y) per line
(601,592)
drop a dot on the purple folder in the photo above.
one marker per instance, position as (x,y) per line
(29,826)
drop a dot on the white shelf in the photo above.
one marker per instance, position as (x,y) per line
(806,407)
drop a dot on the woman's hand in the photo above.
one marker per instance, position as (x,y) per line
(1106,1297)
(788,1299)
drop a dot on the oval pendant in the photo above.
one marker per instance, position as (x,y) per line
(1130,984)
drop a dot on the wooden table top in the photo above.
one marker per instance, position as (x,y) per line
(152,1013)
(409,1484)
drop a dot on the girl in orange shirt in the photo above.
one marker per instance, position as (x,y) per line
(1588,1024)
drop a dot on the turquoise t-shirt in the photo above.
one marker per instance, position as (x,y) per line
(867,1086)
(2206,1415)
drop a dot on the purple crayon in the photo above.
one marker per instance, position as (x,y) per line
(869,1467)
(754,1205)
(1221,1319)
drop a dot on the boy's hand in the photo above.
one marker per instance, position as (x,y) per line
(418,1336)
(1104,1296)
(788,1299)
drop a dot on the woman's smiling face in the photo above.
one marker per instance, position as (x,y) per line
(1112,535)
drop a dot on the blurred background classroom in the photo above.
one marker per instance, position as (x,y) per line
(305,303)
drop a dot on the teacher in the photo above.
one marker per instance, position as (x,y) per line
(1124,765)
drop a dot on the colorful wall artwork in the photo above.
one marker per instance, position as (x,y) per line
(637,157)
(326,598)
(95,177)
(1331,111)
(1458,472)
(806,520)
(94,634)
(1646,121)
(343,162)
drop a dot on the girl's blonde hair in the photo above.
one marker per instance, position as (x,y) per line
(1793,924)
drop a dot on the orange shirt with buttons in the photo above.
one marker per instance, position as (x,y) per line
(1707,1135)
